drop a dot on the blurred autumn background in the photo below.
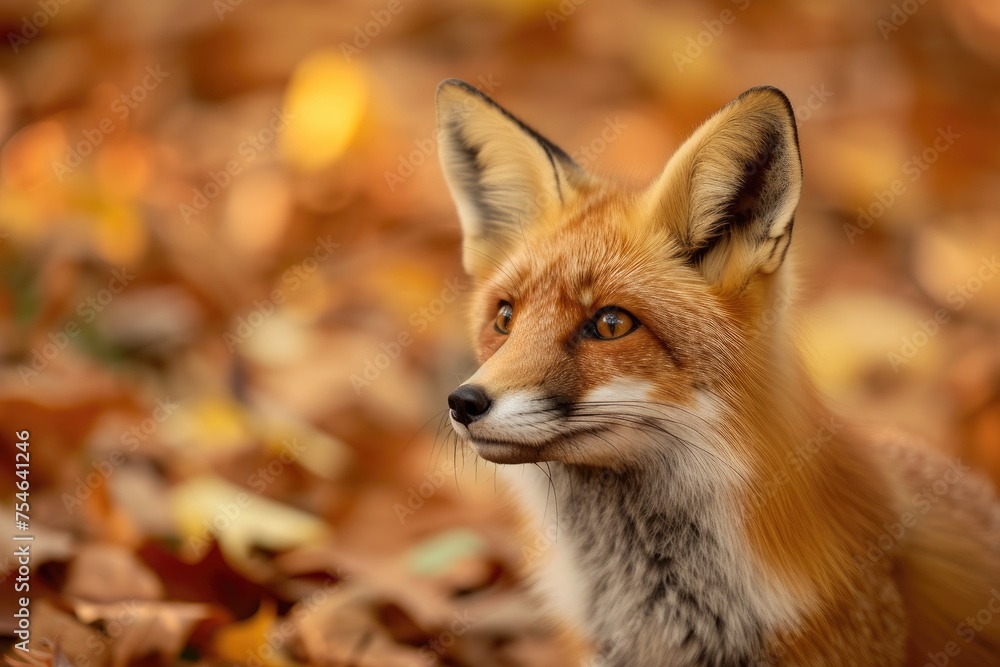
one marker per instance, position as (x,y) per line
(231,294)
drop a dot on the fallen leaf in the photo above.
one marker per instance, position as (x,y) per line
(140,628)
(110,573)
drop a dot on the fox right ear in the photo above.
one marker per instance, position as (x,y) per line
(729,193)
(502,174)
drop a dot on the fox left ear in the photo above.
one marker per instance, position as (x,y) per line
(729,194)
(503,175)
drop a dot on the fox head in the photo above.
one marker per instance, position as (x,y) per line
(613,322)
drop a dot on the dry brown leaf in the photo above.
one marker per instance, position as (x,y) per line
(110,573)
(141,628)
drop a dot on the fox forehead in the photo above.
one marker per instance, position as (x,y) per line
(599,250)
(558,277)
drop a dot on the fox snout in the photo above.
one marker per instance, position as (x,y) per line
(468,403)
(504,425)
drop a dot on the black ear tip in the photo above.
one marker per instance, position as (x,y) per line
(766,90)
(770,89)
(773,94)
(448,84)
(451,81)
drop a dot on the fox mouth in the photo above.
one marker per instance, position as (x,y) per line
(512,452)
(503,451)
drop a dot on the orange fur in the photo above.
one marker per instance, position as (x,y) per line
(815,495)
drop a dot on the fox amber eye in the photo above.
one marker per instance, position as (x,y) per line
(612,322)
(504,315)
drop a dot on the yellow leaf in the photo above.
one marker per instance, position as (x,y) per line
(209,425)
(239,519)
(325,103)
(236,642)
(120,234)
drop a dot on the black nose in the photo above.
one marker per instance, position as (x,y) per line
(468,403)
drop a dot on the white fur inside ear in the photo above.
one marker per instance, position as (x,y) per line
(502,176)
(730,192)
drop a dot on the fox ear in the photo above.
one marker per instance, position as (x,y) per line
(502,174)
(729,194)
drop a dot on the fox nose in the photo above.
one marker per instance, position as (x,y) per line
(468,403)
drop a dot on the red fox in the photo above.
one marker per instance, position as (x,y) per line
(637,372)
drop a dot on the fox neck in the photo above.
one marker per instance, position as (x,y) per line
(650,546)
(813,496)
(729,561)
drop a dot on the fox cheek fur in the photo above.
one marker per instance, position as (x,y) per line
(636,341)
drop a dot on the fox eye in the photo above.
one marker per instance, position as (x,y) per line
(611,322)
(502,324)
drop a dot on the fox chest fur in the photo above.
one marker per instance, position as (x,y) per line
(639,383)
(658,578)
